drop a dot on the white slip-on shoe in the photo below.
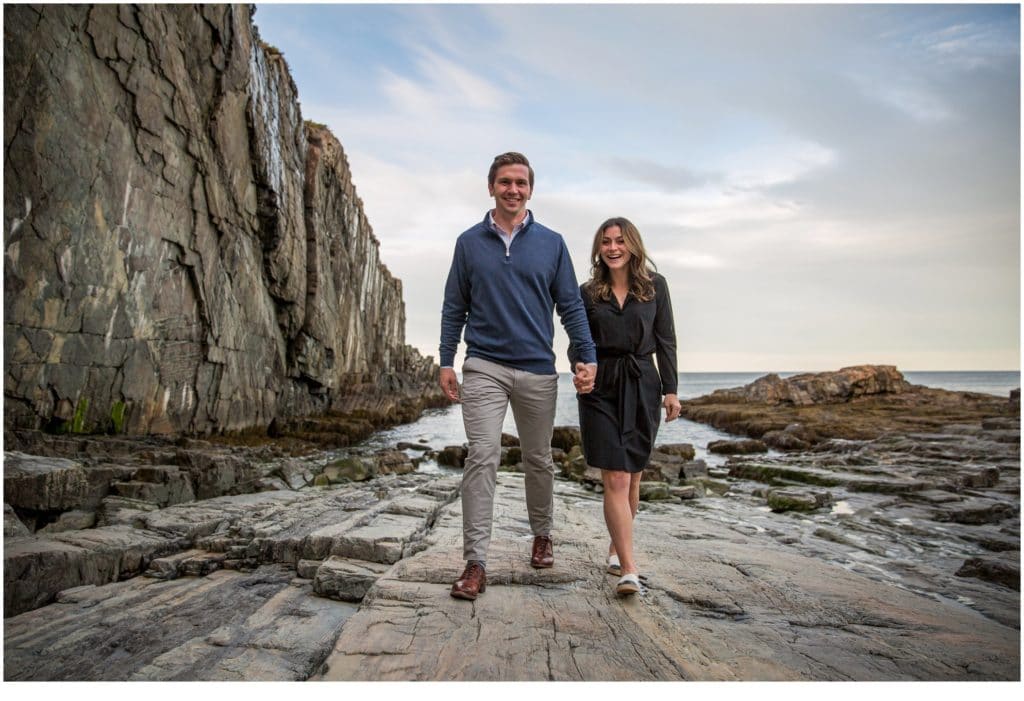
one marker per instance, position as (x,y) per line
(628,584)
(614,567)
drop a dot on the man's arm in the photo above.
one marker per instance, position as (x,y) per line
(454,312)
(571,311)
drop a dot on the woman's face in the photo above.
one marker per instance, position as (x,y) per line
(613,249)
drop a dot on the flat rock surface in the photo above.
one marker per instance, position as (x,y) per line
(718,606)
(725,599)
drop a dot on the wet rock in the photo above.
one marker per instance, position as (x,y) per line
(797,500)
(1001,570)
(575,464)
(654,491)
(453,456)
(975,511)
(795,436)
(693,469)
(345,579)
(419,447)
(393,462)
(858,543)
(592,476)
(1003,423)
(743,447)
(684,492)
(355,468)
(511,456)
(565,437)
(684,450)
(663,467)
(295,473)
(509,441)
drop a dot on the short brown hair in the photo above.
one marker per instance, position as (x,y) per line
(508,159)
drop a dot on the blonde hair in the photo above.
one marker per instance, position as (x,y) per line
(640,266)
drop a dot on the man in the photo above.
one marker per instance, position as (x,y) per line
(508,274)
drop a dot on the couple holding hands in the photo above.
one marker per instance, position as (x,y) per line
(509,274)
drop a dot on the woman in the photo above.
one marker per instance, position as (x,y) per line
(630,317)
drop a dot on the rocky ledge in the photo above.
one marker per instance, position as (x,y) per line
(351,583)
(860,402)
(891,557)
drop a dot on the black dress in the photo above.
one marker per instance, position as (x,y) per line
(619,419)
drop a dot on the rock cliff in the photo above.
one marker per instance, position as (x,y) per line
(183,253)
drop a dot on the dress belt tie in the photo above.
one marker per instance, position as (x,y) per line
(626,372)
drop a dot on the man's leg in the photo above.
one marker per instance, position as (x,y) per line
(533,406)
(485,393)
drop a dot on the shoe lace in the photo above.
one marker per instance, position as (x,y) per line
(468,572)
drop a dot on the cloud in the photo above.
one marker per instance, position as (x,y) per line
(442,87)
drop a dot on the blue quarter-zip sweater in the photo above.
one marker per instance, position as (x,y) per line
(505,299)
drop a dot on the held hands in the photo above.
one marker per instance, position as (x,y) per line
(450,384)
(585,377)
(672,407)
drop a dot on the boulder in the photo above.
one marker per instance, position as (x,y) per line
(1001,570)
(820,388)
(354,468)
(453,456)
(393,462)
(740,447)
(419,447)
(663,467)
(693,469)
(797,500)
(511,456)
(684,450)
(654,491)
(565,437)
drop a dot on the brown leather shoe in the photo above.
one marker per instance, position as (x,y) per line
(542,554)
(471,582)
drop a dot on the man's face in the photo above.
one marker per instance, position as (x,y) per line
(511,189)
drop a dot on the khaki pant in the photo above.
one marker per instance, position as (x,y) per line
(487,391)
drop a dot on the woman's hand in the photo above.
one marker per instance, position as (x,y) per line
(672,407)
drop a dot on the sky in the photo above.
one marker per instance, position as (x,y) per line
(821,185)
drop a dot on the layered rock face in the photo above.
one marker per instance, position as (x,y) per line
(182,253)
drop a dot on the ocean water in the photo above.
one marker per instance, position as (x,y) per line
(441,427)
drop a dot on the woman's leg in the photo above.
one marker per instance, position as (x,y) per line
(634,501)
(618,517)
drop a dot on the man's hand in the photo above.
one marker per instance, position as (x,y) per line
(672,407)
(585,377)
(450,384)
